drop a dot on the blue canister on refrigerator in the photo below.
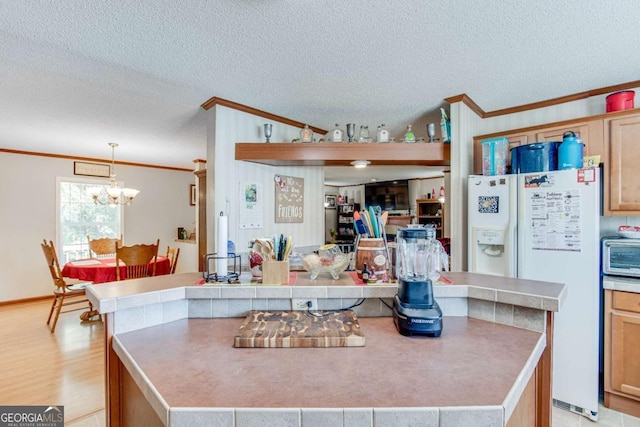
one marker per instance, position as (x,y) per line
(570,152)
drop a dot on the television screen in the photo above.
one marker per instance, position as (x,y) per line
(390,196)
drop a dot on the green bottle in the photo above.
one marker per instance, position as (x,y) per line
(409,136)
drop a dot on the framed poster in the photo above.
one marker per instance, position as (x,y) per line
(289,199)
(193,195)
(329,202)
(91,169)
(251,205)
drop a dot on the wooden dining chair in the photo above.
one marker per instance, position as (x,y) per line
(103,247)
(173,254)
(67,291)
(136,260)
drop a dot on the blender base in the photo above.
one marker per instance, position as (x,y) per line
(417,319)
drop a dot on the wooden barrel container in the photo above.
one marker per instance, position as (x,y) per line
(373,252)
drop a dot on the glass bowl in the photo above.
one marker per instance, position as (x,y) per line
(629,231)
(329,259)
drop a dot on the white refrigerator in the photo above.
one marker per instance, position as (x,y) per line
(546,227)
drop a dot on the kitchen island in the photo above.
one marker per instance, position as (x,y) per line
(171,361)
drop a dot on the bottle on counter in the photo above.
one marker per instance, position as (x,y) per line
(365,273)
(306,134)
(409,136)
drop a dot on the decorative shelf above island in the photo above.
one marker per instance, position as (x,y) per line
(342,154)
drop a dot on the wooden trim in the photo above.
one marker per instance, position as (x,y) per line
(563,123)
(23,300)
(91,159)
(544,375)
(112,376)
(260,113)
(617,402)
(464,98)
(524,414)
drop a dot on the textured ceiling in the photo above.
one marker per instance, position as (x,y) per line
(76,74)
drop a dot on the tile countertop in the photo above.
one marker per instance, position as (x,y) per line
(618,283)
(108,297)
(475,371)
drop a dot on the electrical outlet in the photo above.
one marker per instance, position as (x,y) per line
(301,303)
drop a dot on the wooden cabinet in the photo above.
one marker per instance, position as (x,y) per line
(622,171)
(622,352)
(431,211)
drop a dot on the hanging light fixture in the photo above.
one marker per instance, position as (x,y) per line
(112,195)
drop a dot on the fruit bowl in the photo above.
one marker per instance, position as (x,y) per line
(329,259)
(629,231)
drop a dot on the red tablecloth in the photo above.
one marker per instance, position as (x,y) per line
(101,270)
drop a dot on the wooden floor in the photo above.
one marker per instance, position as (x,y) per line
(40,368)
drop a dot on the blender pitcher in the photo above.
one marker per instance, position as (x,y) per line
(418,261)
(419,255)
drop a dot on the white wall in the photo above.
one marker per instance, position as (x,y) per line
(227,126)
(353,193)
(330,215)
(420,188)
(28,215)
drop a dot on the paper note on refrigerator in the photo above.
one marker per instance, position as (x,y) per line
(555,220)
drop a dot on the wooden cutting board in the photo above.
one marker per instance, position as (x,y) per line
(270,329)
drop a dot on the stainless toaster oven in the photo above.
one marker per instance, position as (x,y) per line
(621,257)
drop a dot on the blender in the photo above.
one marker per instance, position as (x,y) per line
(419,259)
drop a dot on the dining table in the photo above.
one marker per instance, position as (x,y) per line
(102,270)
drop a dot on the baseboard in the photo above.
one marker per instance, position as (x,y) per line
(621,403)
(23,300)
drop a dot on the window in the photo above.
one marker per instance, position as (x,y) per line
(78,217)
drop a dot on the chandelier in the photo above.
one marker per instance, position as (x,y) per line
(113,194)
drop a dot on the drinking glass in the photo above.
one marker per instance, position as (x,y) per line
(351,131)
(431,131)
(268,127)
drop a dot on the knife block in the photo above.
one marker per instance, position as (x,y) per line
(275,272)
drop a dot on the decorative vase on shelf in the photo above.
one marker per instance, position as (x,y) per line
(268,127)
(364,134)
(409,136)
(383,134)
(351,131)
(306,134)
(337,135)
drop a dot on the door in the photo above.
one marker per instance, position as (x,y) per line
(558,241)
(624,191)
(625,351)
(491,216)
